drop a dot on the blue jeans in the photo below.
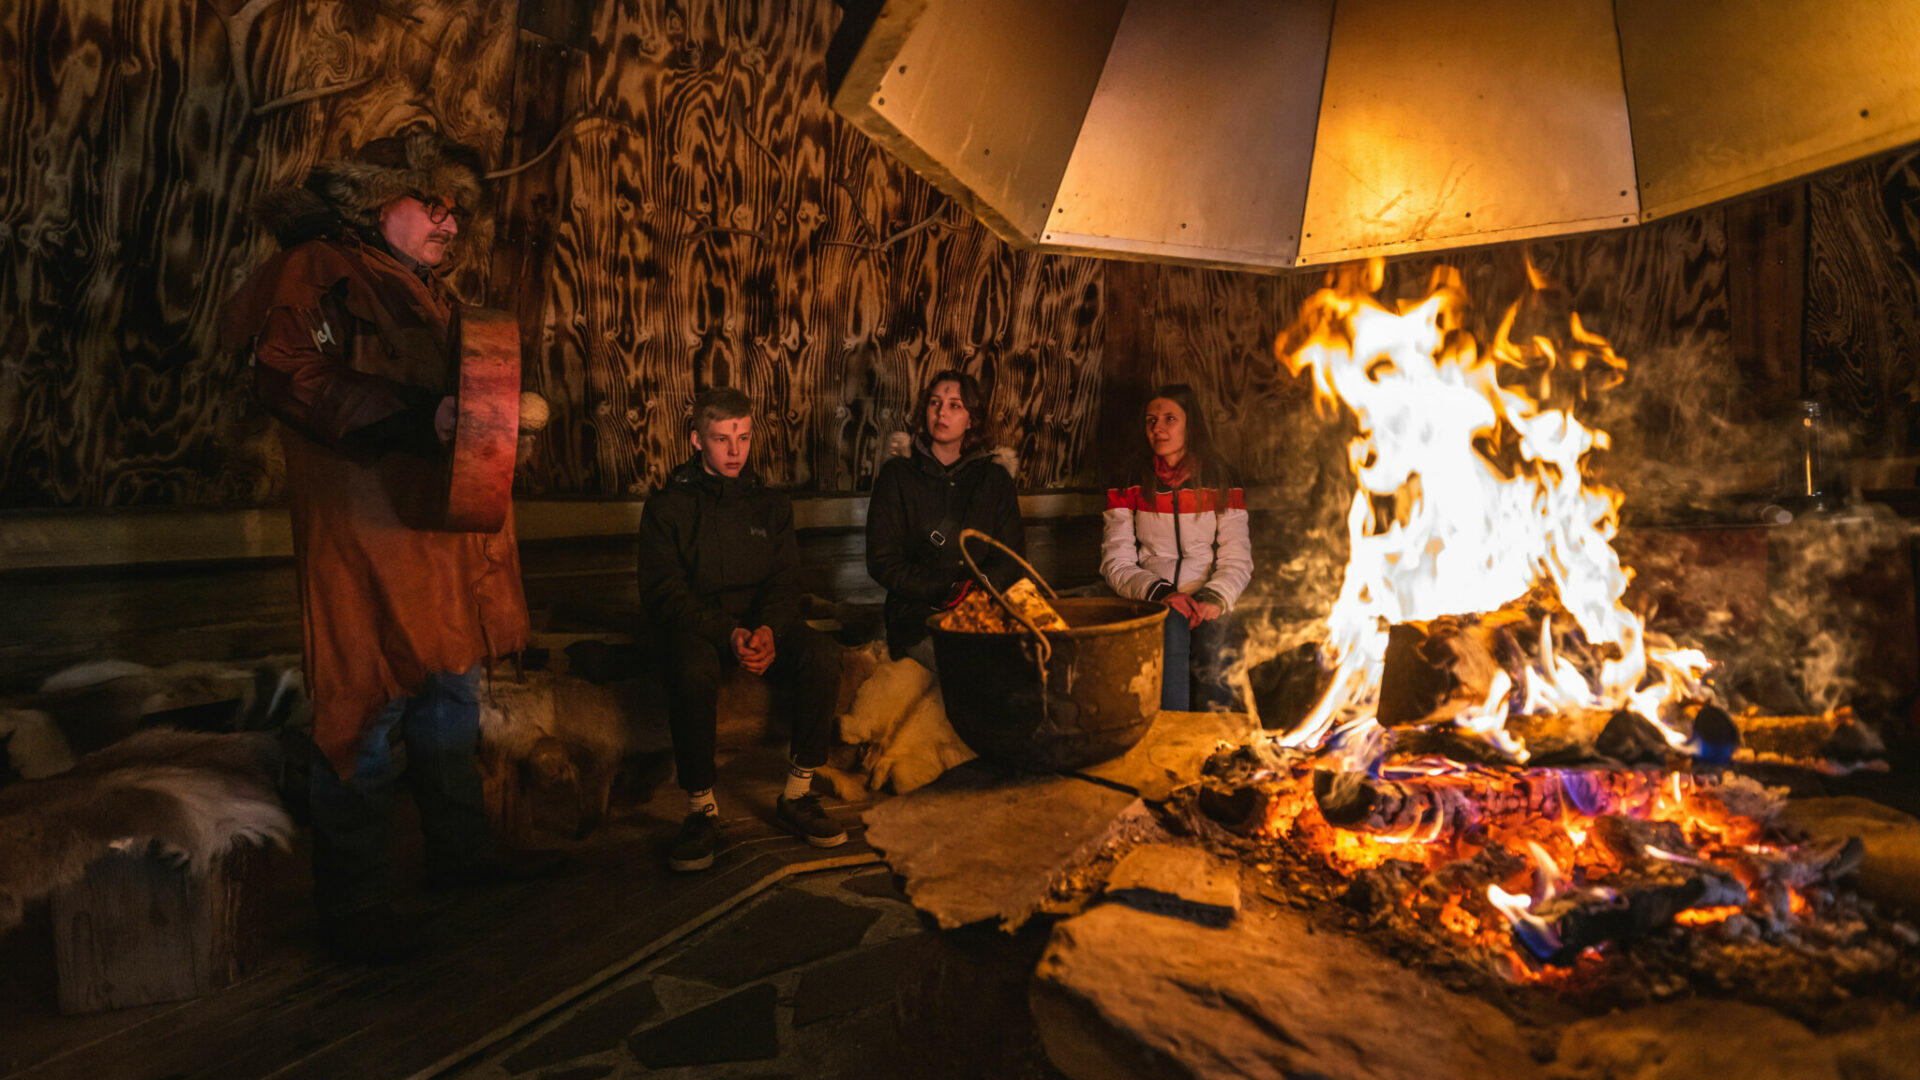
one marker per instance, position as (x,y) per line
(430,738)
(1193,657)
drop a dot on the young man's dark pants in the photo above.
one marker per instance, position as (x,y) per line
(804,667)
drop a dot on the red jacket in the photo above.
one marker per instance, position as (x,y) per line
(1192,539)
(345,340)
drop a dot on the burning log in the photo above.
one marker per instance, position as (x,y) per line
(1631,739)
(1426,807)
(1567,925)
(1353,800)
(1286,687)
(1434,670)
(1834,736)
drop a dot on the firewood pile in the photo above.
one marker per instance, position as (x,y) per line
(979,613)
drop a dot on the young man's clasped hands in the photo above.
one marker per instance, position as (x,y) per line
(754,648)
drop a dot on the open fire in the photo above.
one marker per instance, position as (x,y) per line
(1471,497)
(1502,758)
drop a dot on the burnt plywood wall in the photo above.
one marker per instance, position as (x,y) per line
(1660,293)
(1863,302)
(724,226)
(711,220)
(133,137)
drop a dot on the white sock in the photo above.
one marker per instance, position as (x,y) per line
(701,802)
(799,782)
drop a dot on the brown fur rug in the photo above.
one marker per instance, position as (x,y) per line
(189,795)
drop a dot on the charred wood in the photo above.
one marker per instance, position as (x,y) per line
(1835,736)
(1434,670)
(1627,839)
(1358,802)
(1240,809)
(1286,687)
(1353,800)
(1631,739)
(1586,918)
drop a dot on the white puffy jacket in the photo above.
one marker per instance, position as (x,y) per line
(1193,539)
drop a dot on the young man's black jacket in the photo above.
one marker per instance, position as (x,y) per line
(914,520)
(716,554)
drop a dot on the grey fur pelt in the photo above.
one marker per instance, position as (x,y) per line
(189,795)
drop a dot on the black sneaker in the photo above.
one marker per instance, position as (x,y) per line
(807,820)
(371,935)
(694,847)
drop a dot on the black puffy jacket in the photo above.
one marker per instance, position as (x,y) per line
(718,553)
(916,497)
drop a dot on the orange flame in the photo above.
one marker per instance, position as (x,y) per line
(1487,498)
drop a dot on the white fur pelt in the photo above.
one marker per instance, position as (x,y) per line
(901,722)
(190,795)
(35,746)
(97,703)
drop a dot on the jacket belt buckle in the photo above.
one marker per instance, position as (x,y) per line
(939,538)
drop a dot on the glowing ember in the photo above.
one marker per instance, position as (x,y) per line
(1580,855)
(1706,916)
(1471,496)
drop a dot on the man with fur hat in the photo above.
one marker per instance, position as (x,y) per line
(346,332)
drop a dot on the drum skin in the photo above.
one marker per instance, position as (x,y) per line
(486,353)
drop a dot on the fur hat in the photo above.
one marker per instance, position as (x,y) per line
(350,191)
(422,162)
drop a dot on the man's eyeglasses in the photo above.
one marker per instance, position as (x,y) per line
(437,211)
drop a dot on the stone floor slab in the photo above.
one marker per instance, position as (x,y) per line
(738,1027)
(1170,879)
(1705,1038)
(1126,995)
(848,983)
(882,886)
(599,1026)
(980,843)
(788,930)
(1169,756)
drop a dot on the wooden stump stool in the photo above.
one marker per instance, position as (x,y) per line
(137,930)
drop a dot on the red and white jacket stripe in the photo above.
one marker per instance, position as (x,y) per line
(1194,540)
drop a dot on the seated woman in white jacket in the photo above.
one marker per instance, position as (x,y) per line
(1176,532)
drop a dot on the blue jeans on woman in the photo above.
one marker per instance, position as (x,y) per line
(1193,656)
(430,739)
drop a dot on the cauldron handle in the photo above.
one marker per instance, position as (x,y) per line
(1045,647)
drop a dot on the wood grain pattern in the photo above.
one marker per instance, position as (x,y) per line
(135,138)
(728,228)
(1863,303)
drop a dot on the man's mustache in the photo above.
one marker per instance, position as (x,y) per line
(438,237)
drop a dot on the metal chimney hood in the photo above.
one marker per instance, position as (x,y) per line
(1268,134)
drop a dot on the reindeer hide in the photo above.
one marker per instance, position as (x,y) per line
(190,795)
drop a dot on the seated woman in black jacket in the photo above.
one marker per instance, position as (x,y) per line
(921,503)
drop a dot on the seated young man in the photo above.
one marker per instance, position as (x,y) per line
(717,580)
